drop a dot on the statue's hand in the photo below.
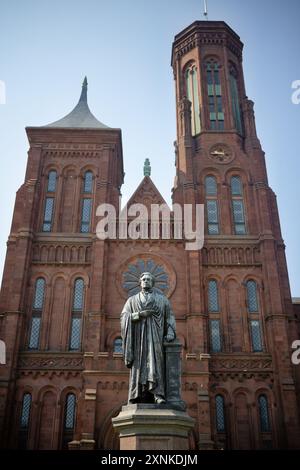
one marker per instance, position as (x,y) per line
(145,313)
(170,336)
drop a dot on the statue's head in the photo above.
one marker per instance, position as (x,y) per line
(147,280)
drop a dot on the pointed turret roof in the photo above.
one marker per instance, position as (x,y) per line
(81,116)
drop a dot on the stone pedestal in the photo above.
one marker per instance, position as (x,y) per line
(153,427)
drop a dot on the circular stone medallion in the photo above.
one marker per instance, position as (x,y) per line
(129,275)
(221,153)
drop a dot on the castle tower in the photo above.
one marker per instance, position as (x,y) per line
(53,260)
(247,310)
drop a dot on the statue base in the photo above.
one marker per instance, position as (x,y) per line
(145,426)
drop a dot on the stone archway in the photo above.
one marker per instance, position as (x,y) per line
(106,437)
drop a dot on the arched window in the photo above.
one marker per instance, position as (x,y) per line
(212,205)
(86,208)
(37,310)
(264,414)
(69,419)
(238,212)
(235,101)
(77,310)
(210,186)
(88,182)
(216,113)
(214,317)
(252,301)
(191,84)
(24,420)
(220,413)
(236,186)
(52,181)
(48,214)
(254,316)
(49,202)
(118,345)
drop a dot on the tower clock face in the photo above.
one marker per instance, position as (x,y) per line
(221,153)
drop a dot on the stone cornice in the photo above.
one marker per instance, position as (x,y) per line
(63,237)
(206,33)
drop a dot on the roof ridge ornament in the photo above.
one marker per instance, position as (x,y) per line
(147,167)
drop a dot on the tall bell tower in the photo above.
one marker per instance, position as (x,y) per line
(247,312)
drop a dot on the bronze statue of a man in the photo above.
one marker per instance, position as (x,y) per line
(146,322)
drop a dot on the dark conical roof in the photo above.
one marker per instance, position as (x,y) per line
(81,115)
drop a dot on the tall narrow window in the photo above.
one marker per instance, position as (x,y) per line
(213,302)
(252,301)
(88,182)
(235,102)
(212,205)
(264,414)
(48,214)
(254,316)
(238,206)
(216,113)
(76,320)
(256,336)
(49,201)
(51,181)
(191,81)
(69,419)
(86,208)
(118,345)
(86,215)
(220,413)
(214,317)
(24,421)
(215,335)
(37,310)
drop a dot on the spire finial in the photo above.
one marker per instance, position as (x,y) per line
(83,96)
(205,10)
(147,167)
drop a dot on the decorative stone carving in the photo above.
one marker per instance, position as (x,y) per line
(221,153)
(242,368)
(40,361)
(127,278)
(241,364)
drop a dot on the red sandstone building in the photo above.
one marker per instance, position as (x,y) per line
(63,288)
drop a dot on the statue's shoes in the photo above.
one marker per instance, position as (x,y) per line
(159,400)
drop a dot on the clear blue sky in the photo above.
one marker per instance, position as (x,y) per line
(124,48)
